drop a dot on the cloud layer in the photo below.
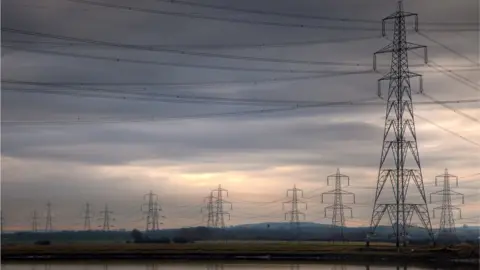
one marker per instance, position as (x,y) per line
(255,156)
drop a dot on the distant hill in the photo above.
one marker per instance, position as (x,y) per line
(258,231)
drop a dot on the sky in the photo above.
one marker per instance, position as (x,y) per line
(126,139)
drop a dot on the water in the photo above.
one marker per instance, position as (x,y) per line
(197,266)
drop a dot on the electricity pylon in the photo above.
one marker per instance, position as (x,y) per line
(400,160)
(219,221)
(152,212)
(34,221)
(48,222)
(294,213)
(447,219)
(106,218)
(338,207)
(209,207)
(157,209)
(87,218)
(2,221)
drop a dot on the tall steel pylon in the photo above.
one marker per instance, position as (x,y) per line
(87,218)
(294,213)
(106,218)
(338,207)
(209,207)
(152,212)
(447,219)
(35,221)
(402,166)
(219,221)
(48,222)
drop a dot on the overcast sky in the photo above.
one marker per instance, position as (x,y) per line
(71,149)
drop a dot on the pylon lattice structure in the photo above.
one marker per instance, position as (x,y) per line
(447,218)
(209,207)
(87,218)
(107,219)
(152,212)
(400,160)
(2,222)
(35,221)
(294,213)
(48,221)
(219,220)
(338,207)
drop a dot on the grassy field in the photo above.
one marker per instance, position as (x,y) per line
(219,248)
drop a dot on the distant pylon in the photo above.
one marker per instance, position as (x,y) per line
(294,213)
(209,207)
(338,207)
(34,221)
(2,221)
(219,221)
(157,209)
(106,218)
(48,222)
(152,220)
(87,218)
(400,160)
(447,219)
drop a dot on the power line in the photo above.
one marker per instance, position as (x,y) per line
(450,73)
(181,52)
(170,97)
(146,95)
(293,15)
(214,115)
(243,21)
(448,130)
(453,109)
(214,18)
(448,48)
(176,64)
(320,75)
(208,46)
(192,53)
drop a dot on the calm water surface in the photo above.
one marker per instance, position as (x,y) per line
(194,266)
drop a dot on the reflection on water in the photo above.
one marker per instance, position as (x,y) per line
(199,265)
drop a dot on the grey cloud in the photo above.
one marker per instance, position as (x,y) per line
(315,140)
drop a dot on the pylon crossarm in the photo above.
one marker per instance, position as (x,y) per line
(452,192)
(413,46)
